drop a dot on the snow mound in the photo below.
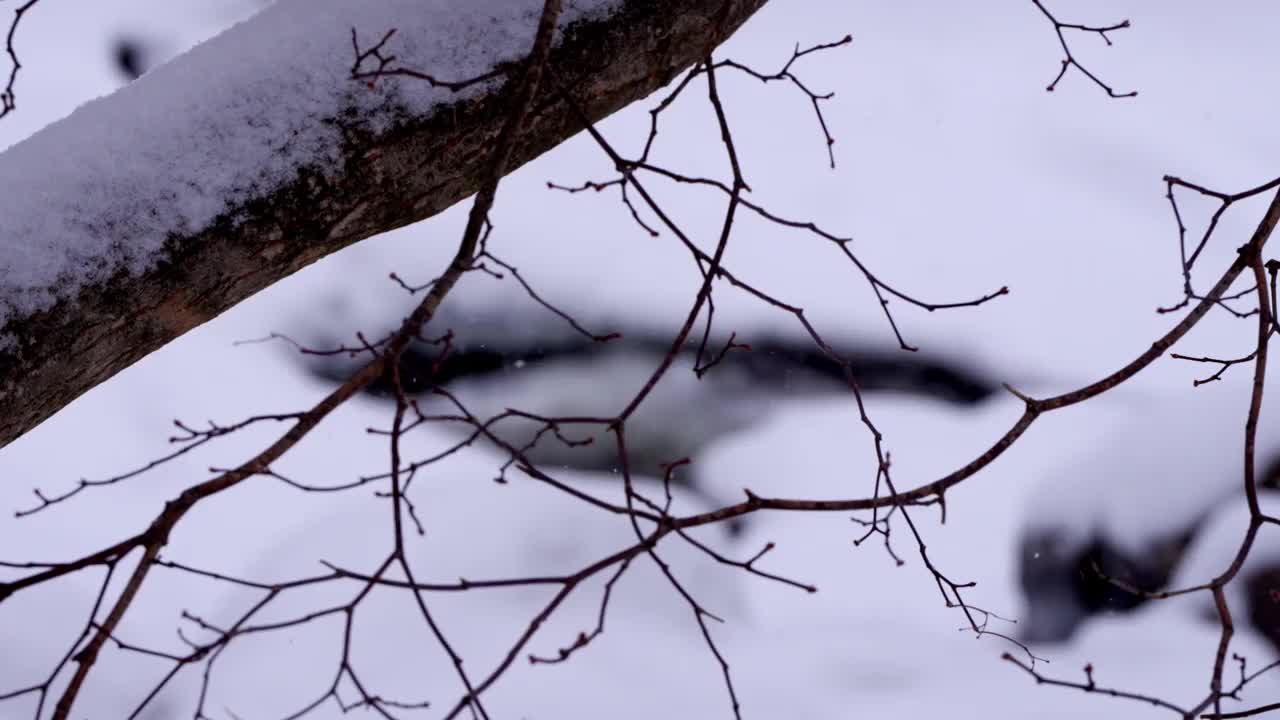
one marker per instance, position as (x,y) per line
(1158,474)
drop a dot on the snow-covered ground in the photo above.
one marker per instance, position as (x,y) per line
(957,174)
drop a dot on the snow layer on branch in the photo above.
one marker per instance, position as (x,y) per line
(237,117)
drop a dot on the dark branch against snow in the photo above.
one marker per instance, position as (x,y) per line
(9,96)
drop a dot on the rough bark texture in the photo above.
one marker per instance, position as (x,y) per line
(406,175)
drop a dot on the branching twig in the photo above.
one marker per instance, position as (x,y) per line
(1070,60)
(8,96)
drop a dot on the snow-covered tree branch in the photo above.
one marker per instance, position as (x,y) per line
(148,212)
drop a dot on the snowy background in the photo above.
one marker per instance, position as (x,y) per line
(956,174)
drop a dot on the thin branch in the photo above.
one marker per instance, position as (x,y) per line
(1070,60)
(8,96)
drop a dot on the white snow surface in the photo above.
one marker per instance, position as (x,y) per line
(1157,473)
(102,190)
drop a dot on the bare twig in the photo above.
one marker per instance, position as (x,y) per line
(1070,60)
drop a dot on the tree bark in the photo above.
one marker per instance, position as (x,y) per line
(405,175)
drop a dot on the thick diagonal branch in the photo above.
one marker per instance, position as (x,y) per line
(49,358)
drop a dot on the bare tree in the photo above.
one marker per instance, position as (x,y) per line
(528,105)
